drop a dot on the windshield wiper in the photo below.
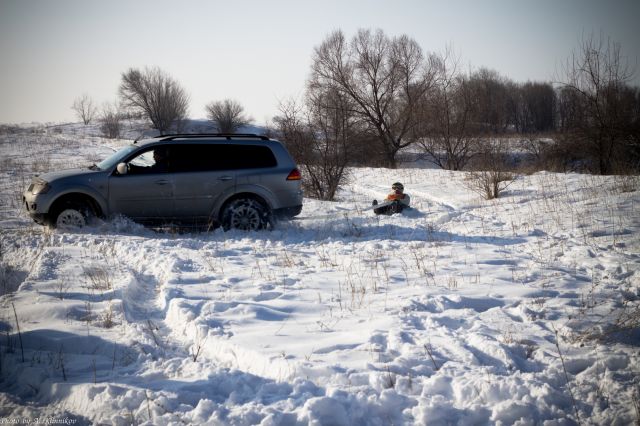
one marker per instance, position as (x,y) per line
(94,167)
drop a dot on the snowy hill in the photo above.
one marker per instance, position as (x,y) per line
(520,310)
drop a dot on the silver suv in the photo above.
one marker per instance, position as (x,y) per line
(237,181)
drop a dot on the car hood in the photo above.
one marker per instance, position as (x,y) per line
(76,173)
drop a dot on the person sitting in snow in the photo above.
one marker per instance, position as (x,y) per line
(395,202)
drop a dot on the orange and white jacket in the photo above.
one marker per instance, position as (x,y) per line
(403,198)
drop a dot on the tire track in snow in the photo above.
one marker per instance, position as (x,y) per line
(144,313)
(145,302)
(160,305)
(139,299)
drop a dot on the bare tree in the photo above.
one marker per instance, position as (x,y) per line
(156,95)
(319,135)
(491,176)
(490,95)
(448,138)
(533,108)
(596,79)
(335,131)
(228,115)
(384,78)
(84,108)
(291,124)
(110,120)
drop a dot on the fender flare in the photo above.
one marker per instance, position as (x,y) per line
(242,191)
(82,191)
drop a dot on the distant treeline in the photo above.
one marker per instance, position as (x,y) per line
(370,97)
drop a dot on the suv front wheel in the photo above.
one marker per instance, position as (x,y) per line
(246,214)
(72,215)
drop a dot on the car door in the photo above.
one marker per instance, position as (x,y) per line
(144,192)
(202,175)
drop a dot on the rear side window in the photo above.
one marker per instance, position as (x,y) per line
(200,157)
(251,157)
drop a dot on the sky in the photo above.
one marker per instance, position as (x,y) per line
(259,52)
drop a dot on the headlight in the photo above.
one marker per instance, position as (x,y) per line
(40,187)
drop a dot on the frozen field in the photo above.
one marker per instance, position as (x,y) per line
(522,310)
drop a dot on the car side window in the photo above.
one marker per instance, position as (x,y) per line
(197,158)
(219,157)
(143,160)
(250,157)
(156,160)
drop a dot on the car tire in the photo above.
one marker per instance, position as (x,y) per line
(246,214)
(71,216)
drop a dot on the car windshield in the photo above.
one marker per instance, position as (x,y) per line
(116,157)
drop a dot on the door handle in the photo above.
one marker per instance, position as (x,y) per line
(225,178)
(161,182)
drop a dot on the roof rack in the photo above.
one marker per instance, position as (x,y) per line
(218,135)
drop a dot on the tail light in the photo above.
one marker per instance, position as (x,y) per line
(294,175)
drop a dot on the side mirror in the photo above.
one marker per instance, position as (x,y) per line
(122,168)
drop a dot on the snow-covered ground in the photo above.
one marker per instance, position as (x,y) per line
(521,310)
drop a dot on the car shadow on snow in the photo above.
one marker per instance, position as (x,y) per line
(411,227)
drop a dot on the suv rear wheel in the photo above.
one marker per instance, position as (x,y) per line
(246,214)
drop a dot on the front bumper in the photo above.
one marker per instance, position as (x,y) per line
(31,208)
